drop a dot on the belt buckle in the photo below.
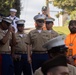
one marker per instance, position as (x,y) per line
(18,58)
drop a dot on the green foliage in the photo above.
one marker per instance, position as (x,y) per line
(17,5)
(66,23)
(73,15)
(5,6)
(67,5)
(62,30)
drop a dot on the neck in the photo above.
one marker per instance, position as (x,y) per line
(12,16)
(49,29)
(39,28)
(21,32)
(72,33)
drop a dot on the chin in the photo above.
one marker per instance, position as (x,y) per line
(73,32)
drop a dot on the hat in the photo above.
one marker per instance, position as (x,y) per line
(60,60)
(49,19)
(44,8)
(7,20)
(13,10)
(57,41)
(20,22)
(39,16)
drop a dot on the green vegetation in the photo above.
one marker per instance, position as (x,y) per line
(67,6)
(62,30)
(5,5)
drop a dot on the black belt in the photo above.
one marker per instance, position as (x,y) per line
(39,52)
(5,52)
(20,52)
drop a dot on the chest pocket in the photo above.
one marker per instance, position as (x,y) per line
(45,37)
(33,38)
(18,39)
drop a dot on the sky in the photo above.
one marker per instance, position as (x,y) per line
(30,8)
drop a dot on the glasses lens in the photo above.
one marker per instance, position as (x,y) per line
(48,22)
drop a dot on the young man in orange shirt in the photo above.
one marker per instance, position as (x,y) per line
(70,40)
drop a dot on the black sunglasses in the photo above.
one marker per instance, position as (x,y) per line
(40,21)
(48,22)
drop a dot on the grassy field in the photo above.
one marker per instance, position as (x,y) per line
(62,30)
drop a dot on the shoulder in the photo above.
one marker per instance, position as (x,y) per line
(33,31)
(54,31)
(71,66)
(67,36)
(72,69)
(45,31)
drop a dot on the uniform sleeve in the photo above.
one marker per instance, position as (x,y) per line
(28,39)
(50,36)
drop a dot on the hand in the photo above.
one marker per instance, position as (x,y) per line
(71,60)
(10,28)
(29,60)
(74,56)
(13,30)
(15,57)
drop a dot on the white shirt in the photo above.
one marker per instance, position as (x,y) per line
(39,31)
(14,22)
(49,30)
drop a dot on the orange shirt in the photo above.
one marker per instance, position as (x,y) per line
(70,41)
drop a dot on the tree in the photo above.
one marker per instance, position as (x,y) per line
(66,5)
(17,5)
(5,6)
(73,15)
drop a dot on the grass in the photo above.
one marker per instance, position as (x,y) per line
(62,30)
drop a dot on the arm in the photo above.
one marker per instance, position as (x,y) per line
(29,54)
(13,41)
(6,37)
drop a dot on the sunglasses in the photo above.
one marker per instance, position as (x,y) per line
(48,22)
(40,21)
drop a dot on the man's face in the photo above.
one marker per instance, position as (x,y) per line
(20,28)
(12,13)
(72,28)
(44,12)
(40,23)
(61,70)
(5,25)
(49,25)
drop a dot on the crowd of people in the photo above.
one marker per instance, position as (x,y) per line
(40,52)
